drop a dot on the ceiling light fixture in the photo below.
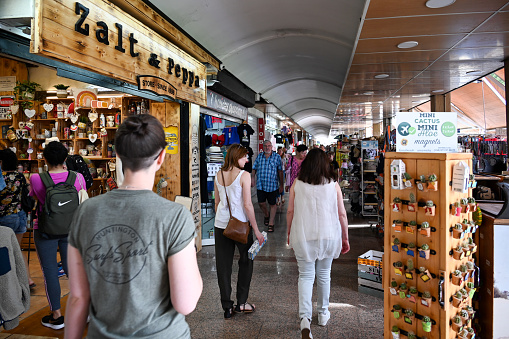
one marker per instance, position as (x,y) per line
(381,76)
(437,91)
(474,72)
(439,3)
(368,93)
(408,44)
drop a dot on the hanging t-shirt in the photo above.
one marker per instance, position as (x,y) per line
(208,121)
(245,131)
(290,138)
(279,138)
(231,136)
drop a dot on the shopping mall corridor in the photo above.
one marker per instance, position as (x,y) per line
(273,291)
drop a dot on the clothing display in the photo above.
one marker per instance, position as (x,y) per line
(231,136)
(130,286)
(279,138)
(245,131)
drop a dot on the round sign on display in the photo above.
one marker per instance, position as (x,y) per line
(404,129)
(448,129)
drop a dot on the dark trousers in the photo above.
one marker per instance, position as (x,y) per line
(225,249)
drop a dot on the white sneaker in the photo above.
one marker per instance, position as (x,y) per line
(305,329)
(323,318)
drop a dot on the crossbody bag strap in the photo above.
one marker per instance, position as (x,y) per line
(226,193)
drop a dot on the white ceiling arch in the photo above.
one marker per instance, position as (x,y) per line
(295,53)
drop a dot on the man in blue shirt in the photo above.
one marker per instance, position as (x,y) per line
(268,175)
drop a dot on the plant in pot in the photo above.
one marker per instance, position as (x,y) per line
(410,249)
(426,324)
(412,205)
(458,253)
(424,251)
(471,245)
(396,311)
(61,90)
(413,294)
(25,90)
(470,268)
(456,323)
(392,289)
(466,225)
(457,231)
(398,268)
(407,180)
(470,288)
(395,332)
(432,182)
(472,205)
(396,245)
(426,298)
(398,225)
(421,183)
(470,311)
(396,204)
(464,205)
(464,293)
(425,229)
(430,208)
(457,299)
(402,290)
(425,276)
(411,335)
(411,227)
(464,244)
(471,332)
(463,333)
(463,268)
(457,277)
(410,315)
(464,316)
(456,209)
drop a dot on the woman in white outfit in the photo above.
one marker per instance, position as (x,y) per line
(317,232)
(238,186)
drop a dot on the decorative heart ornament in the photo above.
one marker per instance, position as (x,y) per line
(74,117)
(93,116)
(48,107)
(92,137)
(29,112)
(14,109)
(74,128)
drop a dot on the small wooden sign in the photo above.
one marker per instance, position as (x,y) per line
(157,86)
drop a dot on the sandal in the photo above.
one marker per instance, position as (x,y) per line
(243,309)
(271,228)
(228,313)
(266,221)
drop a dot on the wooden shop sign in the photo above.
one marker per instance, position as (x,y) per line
(99,36)
(157,86)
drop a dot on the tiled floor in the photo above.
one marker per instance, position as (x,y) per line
(274,292)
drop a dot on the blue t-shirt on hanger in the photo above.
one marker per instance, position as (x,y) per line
(231,135)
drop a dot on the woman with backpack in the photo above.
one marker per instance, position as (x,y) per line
(12,214)
(54,154)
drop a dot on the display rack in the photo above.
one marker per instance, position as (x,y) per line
(369,197)
(438,261)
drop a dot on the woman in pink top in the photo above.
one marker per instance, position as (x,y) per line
(294,164)
(55,154)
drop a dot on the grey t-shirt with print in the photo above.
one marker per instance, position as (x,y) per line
(125,238)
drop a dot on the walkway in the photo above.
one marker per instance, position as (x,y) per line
(273,291)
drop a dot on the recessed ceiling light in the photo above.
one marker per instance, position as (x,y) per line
(381,76)
(408,44)
(437,91)
(475,72)
(368,93)
(439,3)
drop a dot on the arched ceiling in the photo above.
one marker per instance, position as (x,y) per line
(316,61)
(294,53)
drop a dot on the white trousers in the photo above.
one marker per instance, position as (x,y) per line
(307,272)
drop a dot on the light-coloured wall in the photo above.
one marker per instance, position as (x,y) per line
(47,78)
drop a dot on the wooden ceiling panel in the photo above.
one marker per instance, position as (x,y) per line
(424,25)
(476,54)
(498,39)
(391,44)
(389,68)
(397,56)
(385,8)
(500,21)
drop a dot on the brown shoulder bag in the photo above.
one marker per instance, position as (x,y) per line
(236,230)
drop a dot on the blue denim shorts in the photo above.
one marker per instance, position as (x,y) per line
(17,222)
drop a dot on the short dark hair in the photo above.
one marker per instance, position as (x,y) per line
(316,169)
(139,140)
(9,160)
(301,148)
(55,153)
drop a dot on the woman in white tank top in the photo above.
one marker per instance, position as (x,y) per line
(237,183)
(317,231)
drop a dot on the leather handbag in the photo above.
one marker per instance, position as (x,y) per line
(236,230)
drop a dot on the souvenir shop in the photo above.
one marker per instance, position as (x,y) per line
(222,123)
(81,103)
